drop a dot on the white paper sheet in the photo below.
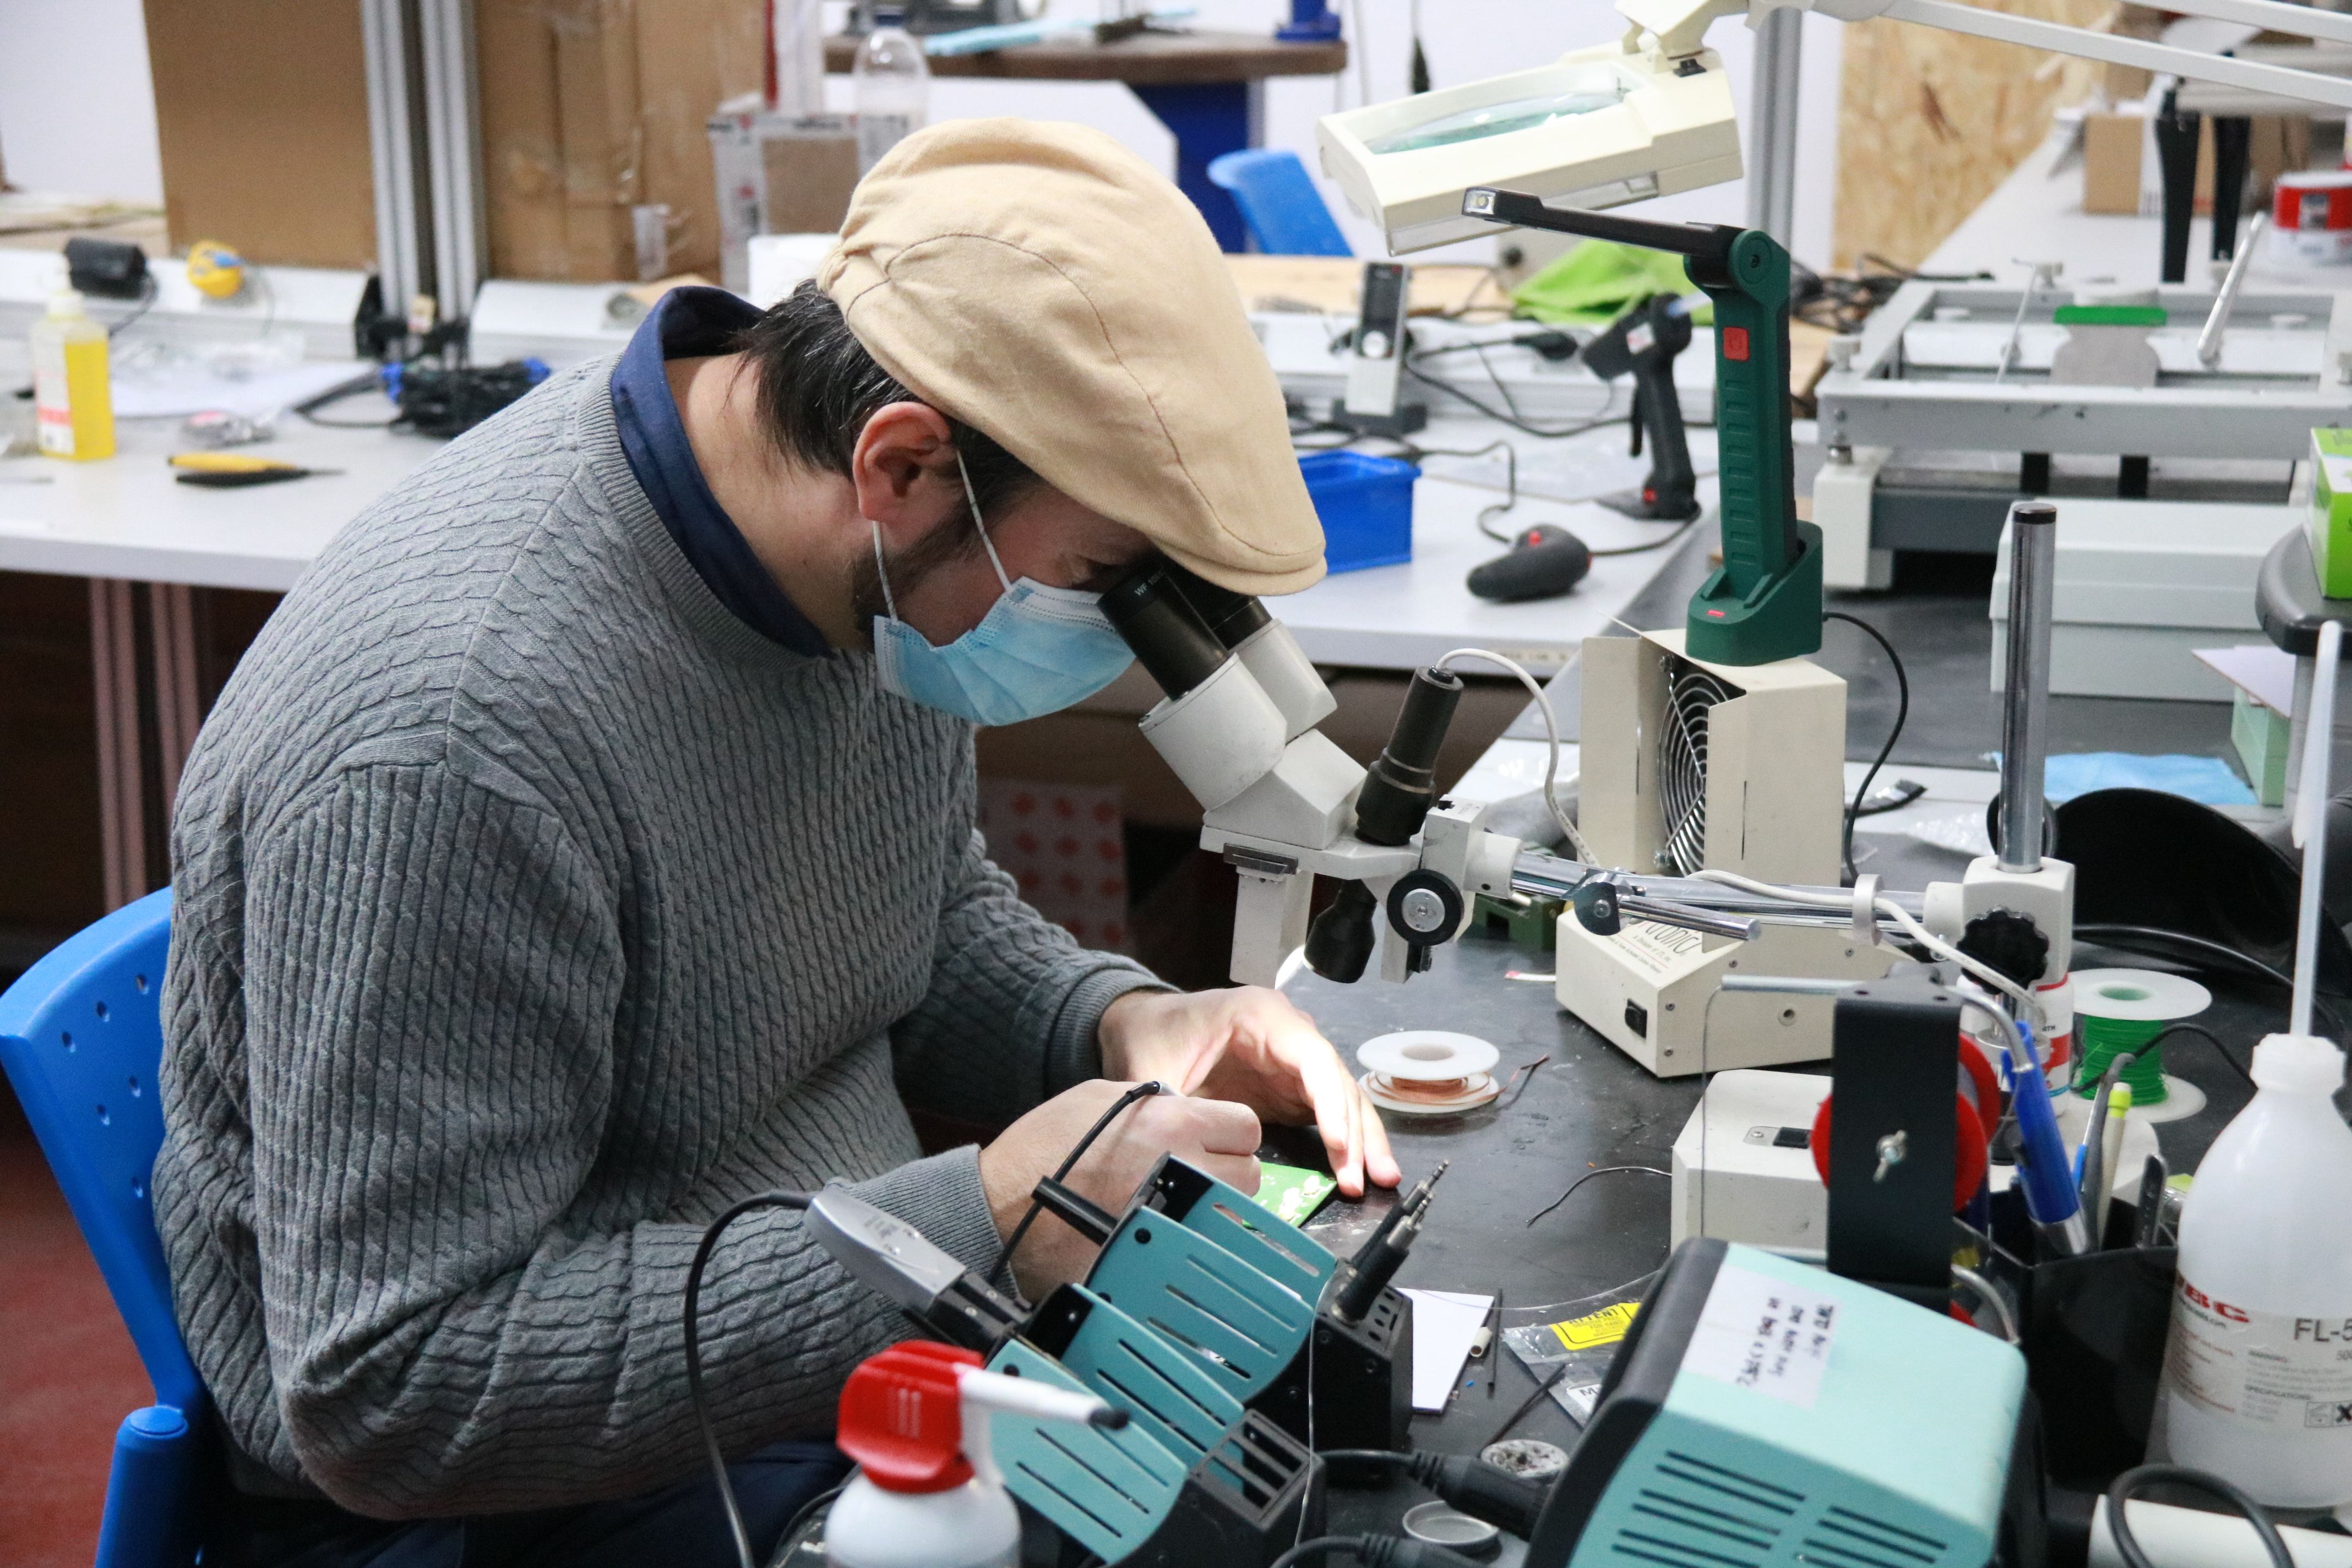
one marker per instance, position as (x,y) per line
(1444,1325)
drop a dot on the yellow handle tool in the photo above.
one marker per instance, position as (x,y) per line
(223,470)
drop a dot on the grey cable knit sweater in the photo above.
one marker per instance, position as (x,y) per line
(530,911)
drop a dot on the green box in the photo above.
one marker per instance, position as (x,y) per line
(2260,736)
(2330,520)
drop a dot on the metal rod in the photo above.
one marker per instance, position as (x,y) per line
(1772,123)
(2209,341)
(2024,720)
(1551,877)
(2165,58)
(2311,822)
(1688,916)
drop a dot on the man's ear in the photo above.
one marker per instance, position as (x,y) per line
(904,471)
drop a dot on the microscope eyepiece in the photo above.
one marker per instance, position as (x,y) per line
(1148,609)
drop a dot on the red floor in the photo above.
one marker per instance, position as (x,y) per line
(67,1373)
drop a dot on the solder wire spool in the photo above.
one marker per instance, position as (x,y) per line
(2118,1010)
(1429,1072)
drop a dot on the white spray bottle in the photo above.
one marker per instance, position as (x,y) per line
(2258,1363)
(927,1494)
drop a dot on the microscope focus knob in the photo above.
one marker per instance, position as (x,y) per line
(1424,907)
(2008,941)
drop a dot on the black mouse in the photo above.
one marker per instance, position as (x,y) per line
(1545,561)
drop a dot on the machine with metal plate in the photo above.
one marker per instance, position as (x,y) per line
(1957,396)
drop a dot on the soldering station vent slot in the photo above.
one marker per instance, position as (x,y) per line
(1842,1538)
(1257,1464)
(1693,1514)
(1691,693)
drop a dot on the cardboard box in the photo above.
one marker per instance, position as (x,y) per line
(2119,170)
(776,173)
(261,117)
(592,115)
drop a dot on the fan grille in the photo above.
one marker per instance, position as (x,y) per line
(1691,694)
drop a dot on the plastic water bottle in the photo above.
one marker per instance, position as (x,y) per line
(893,83)
(2258,1364)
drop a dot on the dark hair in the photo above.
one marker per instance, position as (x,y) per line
(817,388)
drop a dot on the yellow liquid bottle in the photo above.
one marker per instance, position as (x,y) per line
(73,404)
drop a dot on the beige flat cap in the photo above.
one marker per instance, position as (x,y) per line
(1043,284)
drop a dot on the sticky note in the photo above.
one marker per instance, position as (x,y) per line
(1290,1194)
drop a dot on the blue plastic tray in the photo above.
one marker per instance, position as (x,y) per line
(1366,506)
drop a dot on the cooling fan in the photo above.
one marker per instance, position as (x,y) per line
(1689,765)
(1692,694)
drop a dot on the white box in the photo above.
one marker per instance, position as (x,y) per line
(2141,585)
(1737,1177)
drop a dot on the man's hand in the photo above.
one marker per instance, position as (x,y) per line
(1249,1045)
(1217,1136)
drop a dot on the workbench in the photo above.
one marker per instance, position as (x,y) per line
(1588,1107)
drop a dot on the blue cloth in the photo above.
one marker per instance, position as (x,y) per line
(689,322)
(2208,780)
(680,1526)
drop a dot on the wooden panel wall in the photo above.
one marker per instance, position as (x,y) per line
(1929,123)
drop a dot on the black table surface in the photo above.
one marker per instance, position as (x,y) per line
(1587,1106)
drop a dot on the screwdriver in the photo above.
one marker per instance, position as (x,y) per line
(225,470)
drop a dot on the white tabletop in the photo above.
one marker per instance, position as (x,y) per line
(126,517)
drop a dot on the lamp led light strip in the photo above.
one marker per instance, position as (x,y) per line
(1650,114)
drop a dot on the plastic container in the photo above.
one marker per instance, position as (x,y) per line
(893,86)
(2311,217)
(2258,1361)
(73,404)
(1366,506)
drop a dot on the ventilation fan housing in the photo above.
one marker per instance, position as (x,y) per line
(1687,764)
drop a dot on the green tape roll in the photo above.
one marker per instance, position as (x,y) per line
(2101,1040)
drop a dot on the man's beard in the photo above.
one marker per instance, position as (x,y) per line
(951,540)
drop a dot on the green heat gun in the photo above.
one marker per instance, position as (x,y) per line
(1764,602)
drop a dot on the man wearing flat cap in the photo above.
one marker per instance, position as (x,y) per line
(587,845)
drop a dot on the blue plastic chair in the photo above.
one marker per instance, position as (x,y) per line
(1279,202)
(81,1036)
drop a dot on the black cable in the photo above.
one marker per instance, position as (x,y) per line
(694,1389)
(2151,942)
(1491,412)
(1902,712)
(2210,1037)
(806,1511)
(2120,1493)
(1532,1400)
(1078,1151)
(1603,1171)
(1318,1545)
(147,292)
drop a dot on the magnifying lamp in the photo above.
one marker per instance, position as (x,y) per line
(1650,114)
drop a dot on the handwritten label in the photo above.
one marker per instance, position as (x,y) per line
(1764,1335)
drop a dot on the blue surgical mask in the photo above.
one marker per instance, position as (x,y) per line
(1037,652)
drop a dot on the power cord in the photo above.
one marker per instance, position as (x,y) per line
(1600,421)
(1375,1552)
(998,1270)
(1551,735)
(2210,1037)
(2132,1481)
(1603,1171)
(780,1200)
(1902,713)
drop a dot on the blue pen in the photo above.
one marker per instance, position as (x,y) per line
(2050,1198)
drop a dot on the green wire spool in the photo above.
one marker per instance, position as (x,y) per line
(2120,1010)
